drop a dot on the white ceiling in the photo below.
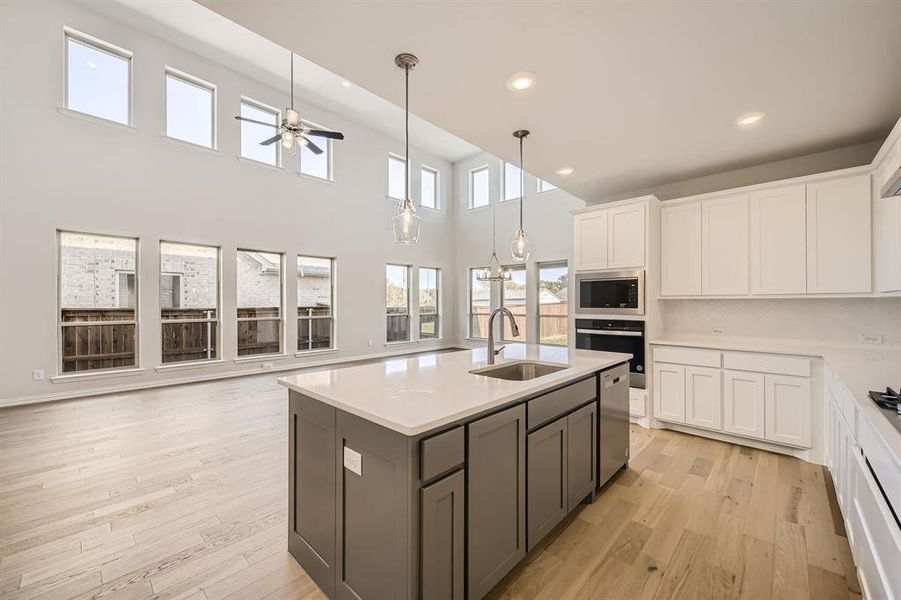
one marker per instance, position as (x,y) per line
(630,94)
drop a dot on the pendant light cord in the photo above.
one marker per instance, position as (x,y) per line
(292,80)
(522,184)
(407,133)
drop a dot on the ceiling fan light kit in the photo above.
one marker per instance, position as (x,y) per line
(406,223)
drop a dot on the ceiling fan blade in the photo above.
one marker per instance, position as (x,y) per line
(257,122)
(313,147)
(333,135)
(271,140)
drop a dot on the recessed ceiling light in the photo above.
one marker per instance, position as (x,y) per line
(750,119)
(564,171)
(523,80)
(346,83)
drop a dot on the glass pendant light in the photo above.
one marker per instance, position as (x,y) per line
(521,247)
(406,222)
(494,271)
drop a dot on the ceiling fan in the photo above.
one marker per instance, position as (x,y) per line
(291,132)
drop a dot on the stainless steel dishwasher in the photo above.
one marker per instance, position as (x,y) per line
(613,427)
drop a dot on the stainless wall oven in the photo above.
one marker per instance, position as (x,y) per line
(610,293)
(615,336)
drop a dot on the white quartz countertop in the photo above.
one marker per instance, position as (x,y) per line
(860,368)
(417,394)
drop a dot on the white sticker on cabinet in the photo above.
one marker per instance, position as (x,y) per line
(353,461)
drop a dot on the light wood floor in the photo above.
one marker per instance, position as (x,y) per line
(181,493)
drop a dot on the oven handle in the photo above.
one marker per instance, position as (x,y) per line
(609,332)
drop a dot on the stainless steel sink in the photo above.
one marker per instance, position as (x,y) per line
(522,370)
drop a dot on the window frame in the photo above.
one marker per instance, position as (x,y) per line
(408,268)
(401,159)
(199,83)
(261,106)
(333,338)
(217,320)
(439,332)
(472,173)
(60,324)
(503,196)
(538,187)
(101,46)
(524,324)
(329,150)
(538,316)
(437,195)
(469,313)
(281,308)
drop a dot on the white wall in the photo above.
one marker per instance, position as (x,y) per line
(62,171)
(546,221)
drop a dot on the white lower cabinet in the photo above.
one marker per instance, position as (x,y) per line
(787,409)
(703,397)
(743,403)
(669,392)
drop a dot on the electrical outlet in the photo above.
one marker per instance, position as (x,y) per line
(37,374)
(370,343)
(719,331)
(874,339)
(353,461)
(266,366)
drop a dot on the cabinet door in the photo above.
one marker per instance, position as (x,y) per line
(703,397)
(669,392)
(547,489)
(581,453)
(724,246)
(496,497)
(887,226)
(680,250)
(779,241)
(625,236)
(788,409)
(442,538)
(744,403)
(590,240)
(839,236)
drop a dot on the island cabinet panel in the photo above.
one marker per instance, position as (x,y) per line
(581,454)
(375,557)
(496,497)
(547,486)
(311,514)
(441,537)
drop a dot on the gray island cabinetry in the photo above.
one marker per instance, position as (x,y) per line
(445,501)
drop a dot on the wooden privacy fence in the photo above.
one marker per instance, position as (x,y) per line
(97,338)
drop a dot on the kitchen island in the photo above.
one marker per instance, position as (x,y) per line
(431,476)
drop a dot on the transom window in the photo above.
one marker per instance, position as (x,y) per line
(429,303)
(397,302)
(190,109)
(428,185)
(512,181)
(479,304)
(98,78)
(544,186)
(253,133)
(397,171)
(552,303)
(315,303)
(478,187)
(513,296)
(260,282)
(189,302)
(97,302)
(317,165)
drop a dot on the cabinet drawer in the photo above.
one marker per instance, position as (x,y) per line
(697,357)
(544,409)
(441,453)
(767,363)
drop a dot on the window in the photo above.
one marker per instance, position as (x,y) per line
(189,302)
(428,187)
(479,304)
(97,302)
(317,165)
(253,133)
(545,186)
(260,282)
(478,187)
(397,169)
(315,304)
(512,181)
(98,78)
(397,301)
(190,109)
(513,296)
(429,304)
(552,303)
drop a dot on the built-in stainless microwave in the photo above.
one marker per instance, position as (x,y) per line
(610,293)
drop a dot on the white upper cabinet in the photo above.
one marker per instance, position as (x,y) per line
(590,237)
(887,224)
(680,250)
(612,238)
(625,236)
(839,236)
(779,241)
(724,246)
